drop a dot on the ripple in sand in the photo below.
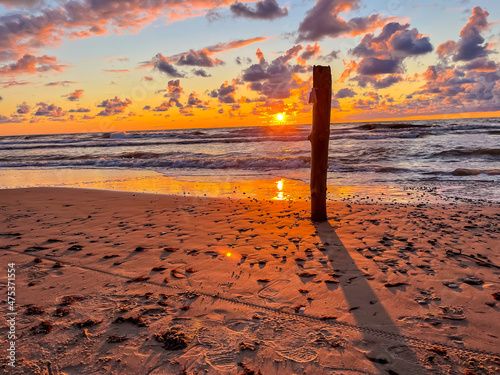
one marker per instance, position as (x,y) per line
(300,354)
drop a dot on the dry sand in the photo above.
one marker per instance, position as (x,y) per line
(128,283)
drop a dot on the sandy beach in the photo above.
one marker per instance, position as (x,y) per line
(132,283)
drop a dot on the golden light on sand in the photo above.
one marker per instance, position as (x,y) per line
(279,184)
(228,254)
(280,116)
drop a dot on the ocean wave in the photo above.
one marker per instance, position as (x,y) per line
(465,152)
(475,172)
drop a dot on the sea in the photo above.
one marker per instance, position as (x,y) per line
(455,158)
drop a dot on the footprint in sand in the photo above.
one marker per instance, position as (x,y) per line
(300,354)
(273,289)
(222,360)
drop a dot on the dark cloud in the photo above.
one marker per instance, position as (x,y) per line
(373,65)
(146,107)
(168,104)
(323,20)
(60,83)
(470,45)
(482,64)
(264,10)
(201,73)
(79,110)
(378,84)
(113,106)
(75,95)
(195,102)
(385,54)
(276,79)
(161,63)
(23,108)
(147,78)
(49,110)
(174,89)
(199,58)
(225,93)
(345,93)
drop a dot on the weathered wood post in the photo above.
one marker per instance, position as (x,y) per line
(321,97)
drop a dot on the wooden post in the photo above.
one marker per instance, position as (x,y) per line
(321,97)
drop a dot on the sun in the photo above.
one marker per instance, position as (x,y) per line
(280,116)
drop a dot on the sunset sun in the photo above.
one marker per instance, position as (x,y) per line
(280,116)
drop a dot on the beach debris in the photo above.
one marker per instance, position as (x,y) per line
(450,284)
(328,317)
(473,280)
(300,308)
(137,320)
(496,296)
(114,339)
(306,274)
(60,312)
(35,248)
(140,249)
(263,280)
(438,350)
(110,256)
(34,310)
(170,249)
(138,279)
(247,370)
(69,300)
(158,268)
(173,339)
(177,274)
(43,328)
(58,265)
(190,270)
(87,323)
(303,291)
(395,284)
(37,260)
(76,248)
(245,346)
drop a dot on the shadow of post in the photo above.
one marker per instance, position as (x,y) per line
(364,304)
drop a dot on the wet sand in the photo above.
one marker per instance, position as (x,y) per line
(135,283)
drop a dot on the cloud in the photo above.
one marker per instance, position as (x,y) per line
(174,89)
(79,110)
(385,54)
(9,120)
(147,78)
(29,64)
(75,95)
(323,20)
(264,10)
(113,106)
(482,64)
(225,94)
(7,84)
(274,80)
(162,64)
(23,108)
(201,73)
(470,45)
(309,53)
(168,104)
(49,110)
(60,83)
(22,33)
(345,93)
(198,58)
(194,101)
(21,3)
